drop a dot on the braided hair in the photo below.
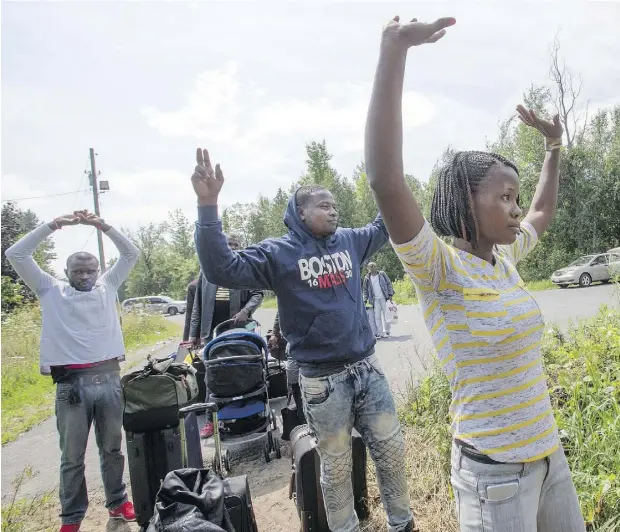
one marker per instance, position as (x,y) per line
(303,194)
(452,210)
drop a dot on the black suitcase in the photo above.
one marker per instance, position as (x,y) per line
(276,379)
(305,487)
(237,496)
(151,456)
(290,419)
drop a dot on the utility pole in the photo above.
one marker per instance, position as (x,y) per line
(93,182)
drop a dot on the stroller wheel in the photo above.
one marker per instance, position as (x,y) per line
(226,460)
(267,450)
(276,447)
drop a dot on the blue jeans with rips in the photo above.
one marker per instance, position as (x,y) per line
(100,402)
(358,397)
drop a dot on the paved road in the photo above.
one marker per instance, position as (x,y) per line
(402,356)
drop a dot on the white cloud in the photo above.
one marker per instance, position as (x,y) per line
(260,129)
(210,112)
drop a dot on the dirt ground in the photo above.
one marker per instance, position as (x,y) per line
(430,494)
(269,485)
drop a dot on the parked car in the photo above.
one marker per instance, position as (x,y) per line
(588,269)
(155,305)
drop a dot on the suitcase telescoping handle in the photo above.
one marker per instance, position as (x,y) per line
(199,408)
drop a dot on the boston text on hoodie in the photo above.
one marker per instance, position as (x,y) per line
(316,281)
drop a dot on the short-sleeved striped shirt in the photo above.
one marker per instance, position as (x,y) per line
(487,331)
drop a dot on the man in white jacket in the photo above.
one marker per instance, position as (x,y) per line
(378,292)
(81,346)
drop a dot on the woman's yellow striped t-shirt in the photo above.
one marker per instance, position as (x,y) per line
(487,330)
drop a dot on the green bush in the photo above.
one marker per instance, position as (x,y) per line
(583,368)
(404,291)
(28,396)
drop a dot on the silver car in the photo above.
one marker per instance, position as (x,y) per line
(155,305)
(588,269)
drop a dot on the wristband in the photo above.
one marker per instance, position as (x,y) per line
(58,227)
(553,143)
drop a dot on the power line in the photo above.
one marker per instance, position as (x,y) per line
(91,234)
(80,187)
(44,196)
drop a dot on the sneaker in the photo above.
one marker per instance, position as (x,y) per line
(385,335)
(75,527)
(207,431)
(377,337)
(124,511)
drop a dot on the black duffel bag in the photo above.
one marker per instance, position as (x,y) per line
(152,396)
(191,499)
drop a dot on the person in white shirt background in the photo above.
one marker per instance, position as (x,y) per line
(377,292)
(81,346)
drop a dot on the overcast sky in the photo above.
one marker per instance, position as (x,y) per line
(144,83)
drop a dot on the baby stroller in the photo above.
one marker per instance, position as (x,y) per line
(236,363)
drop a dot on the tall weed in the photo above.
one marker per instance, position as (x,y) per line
(583,368)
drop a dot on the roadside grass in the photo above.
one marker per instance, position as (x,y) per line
(20,515)
(28,396)
(269,302)
(536,286)
(583,368)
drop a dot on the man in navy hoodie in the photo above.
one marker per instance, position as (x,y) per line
(314,271)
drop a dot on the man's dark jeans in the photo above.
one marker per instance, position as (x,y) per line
(99,402)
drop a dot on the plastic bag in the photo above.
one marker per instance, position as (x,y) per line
(391,313)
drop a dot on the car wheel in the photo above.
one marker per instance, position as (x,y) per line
(173,311)
(585,279)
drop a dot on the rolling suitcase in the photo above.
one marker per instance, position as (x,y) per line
(276,379)
(305,487)
(237,496)
(151,456)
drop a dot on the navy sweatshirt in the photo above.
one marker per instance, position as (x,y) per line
(316,281)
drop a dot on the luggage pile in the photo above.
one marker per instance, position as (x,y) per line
(169,484)
(202,499)
(164,455)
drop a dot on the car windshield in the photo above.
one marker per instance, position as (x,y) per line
(582,261)
(166,299)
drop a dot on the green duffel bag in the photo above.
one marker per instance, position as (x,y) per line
(153,395)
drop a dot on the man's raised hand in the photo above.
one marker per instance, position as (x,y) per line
(89,218)
(415,33)
(207,183)
(63,220)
